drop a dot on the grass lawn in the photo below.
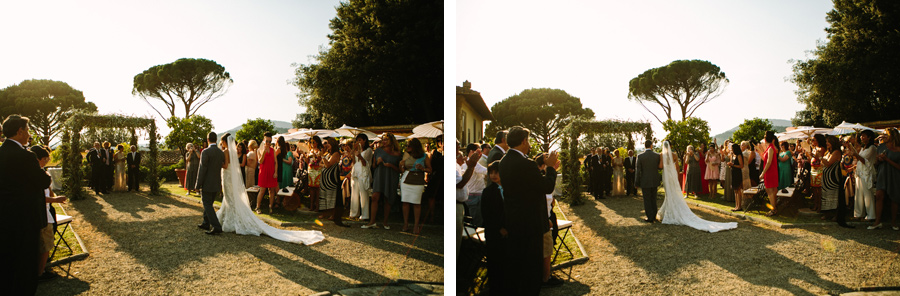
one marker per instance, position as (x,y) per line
(569,241)
(279,214)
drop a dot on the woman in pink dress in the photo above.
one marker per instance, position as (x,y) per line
(267,179)
(769,174)
(712,170)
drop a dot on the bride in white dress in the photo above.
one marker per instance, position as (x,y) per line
(235,214)
(674,209)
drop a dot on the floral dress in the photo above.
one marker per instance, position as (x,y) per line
(315,169)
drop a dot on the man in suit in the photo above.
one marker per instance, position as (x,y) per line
(500,148)
(133,161)
(525,208)
(209,182)
(647,177)
(98,168)
(606,176)
(629,173)
(587,168)
(109,177)
(597,173)
(22,209)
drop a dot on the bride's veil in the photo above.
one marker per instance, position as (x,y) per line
(233,174)
(670,179)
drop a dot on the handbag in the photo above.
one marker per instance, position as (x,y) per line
(414,178)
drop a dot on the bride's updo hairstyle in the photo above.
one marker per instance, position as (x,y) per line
(225,139)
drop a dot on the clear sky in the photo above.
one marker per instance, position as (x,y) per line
(98,47)
(592,49)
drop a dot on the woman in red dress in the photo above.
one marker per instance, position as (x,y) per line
(267,180)
(769,174)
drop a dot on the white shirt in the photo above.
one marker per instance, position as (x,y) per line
(360,170)
(49,216)
(462,195)
(476,183)
(17,143)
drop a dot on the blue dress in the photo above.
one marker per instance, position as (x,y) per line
(386,180)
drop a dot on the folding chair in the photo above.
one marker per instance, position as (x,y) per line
(564,227)
(759,199)
(474,255)
(61,220)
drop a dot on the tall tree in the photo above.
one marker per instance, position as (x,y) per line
(853,76)
(691,131)
(384,66)
(187,130)
(752,129)
(47,103)
(190,83)
(684,85)
(254,129)
(544,111)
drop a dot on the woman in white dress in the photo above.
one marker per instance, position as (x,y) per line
(121,178)
(235,214)
(674,209)
(618,175)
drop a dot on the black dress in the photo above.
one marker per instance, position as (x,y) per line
(737,179)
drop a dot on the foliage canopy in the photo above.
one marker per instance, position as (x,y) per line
(684,85)
(47,103)
(384,66)
(190,83)
(544,111)
(187,130)
(254,129)
(752,129)
(691,131)
(853,75)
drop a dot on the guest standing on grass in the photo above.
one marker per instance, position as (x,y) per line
(96,157)
(692,182)
(386,178)
(268,181)
(134,169)
(250,165)
(47,232)
(704,184)
(745,170)
(22,209)
(360,178)
(630,162)
(192,160)
(525,212)
(314,171)
(833,181)
(475,187)
(712,169)
(864,206)
(769,174)
(415,162)
(331,202)
(888,177)
(736,165)
(285,164)
(242,161)
(121,179)
(816,153)
(495,234)
(785,178)
(434,192)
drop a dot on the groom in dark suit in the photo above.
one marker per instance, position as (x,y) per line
(97,159)
(133,161)
(525,209)
(22,210)
(630,162)
(647,177)
(209,182)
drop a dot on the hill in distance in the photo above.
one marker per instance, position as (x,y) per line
(280,127)
(780,126)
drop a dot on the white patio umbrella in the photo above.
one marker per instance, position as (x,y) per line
(349,131)
(429,130)
(399,138)
(308,134)
(848,128)
(802,132)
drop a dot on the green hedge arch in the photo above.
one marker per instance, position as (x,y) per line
(72,172)
(572,178)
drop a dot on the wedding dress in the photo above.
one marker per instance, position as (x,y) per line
(236,216)
(674,209)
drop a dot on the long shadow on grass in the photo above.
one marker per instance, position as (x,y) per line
(664,249)
(165,245)
(63,286)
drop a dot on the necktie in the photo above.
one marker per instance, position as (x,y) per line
(501,193)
